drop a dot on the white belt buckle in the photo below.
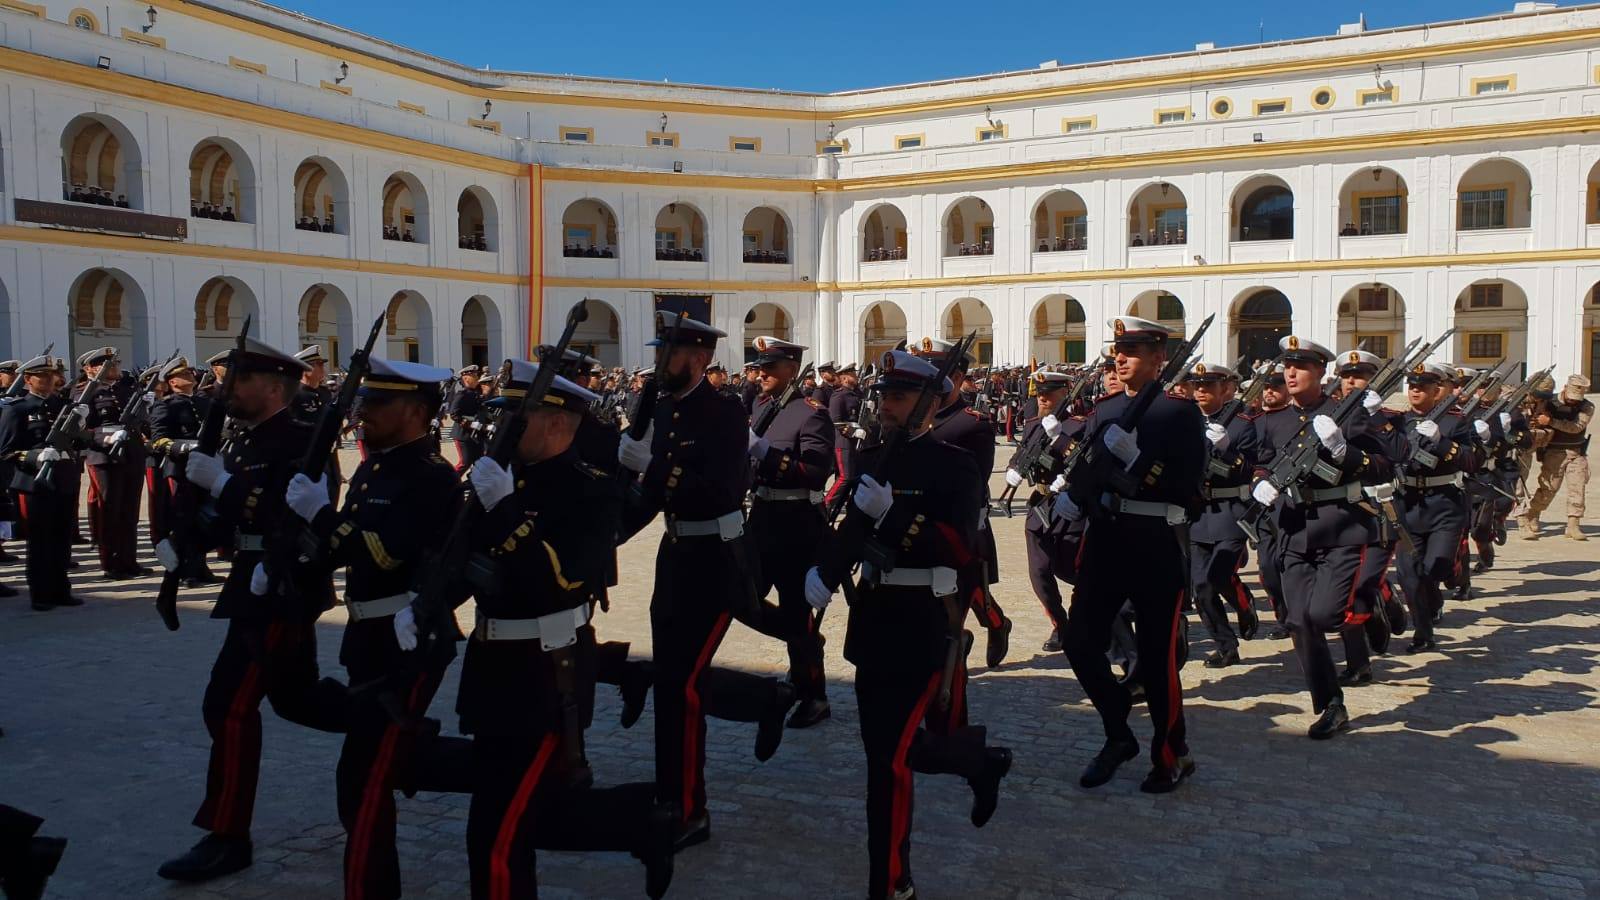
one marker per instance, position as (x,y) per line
(558,630)
(1176,515)
(730,526)
(943,581)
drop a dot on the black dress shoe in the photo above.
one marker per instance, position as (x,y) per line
(121,575)
(1500,533)
(809,713)
(42,605)
(36,863)
(69,600)
(986,787)
(769,732)
(6,558)
(1460,595)
(636,680)
(1427,646)
(1249,623)
(692,833)
(658,849)
(1052,644)
(7,590)
(1221,659)
(999,643)
(1278,633)
(214,857)
(1165,781)
(1333,720)
(1356,677)
(1105,763)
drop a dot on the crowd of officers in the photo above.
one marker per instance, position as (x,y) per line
(748,472)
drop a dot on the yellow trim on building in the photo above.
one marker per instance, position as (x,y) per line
(338,88)
(1465,345)
(1366,95)
(1169,110)
(247,65)
(1333,96)
(1092,122)
(149,40)
(662,139)
(564,133)
(417,108)
(1256,106)
(80,11)
(27,9)
(752,144)
(1478,85)
(686,286)
(1222,114)
(840,146)
(485,125)
(915,141)
(997,132)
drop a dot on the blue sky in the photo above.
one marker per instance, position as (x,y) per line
(830,46)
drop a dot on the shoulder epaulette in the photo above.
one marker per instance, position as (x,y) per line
(814,403)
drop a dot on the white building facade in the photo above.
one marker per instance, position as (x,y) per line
(161,177)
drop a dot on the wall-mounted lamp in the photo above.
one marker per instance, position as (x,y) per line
(677,165)
(663,123)
(1165,188)
(672,209)
(487,106)
(830,131)
(1199,260)
(104,63)
(344,72)
(1376,173)
(151,15)
(1257,137)
(988,115)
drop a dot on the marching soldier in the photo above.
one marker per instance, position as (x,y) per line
(693,466)
(399,502)
(113,483)
(827,383)
(1133,552)
(1494,490)
(174,425)
(1565,421)
(1269,555)
(314,393)
(958,424)
(899,628)
(1324,528)
(1441,452)
(843,407)
(1052,543)
(1218,549)
(792,460)
(463,411)
(43,479)
(270,648)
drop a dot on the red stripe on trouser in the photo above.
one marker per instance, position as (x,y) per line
(693,717)
(1174,687)
(499,868)
(900,805)
(958,699)
(1350,617)
(371,799)
(1241,594)
(838,480)
(244,699)
(1083,543)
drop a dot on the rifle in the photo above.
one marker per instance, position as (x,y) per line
(187,542)
(440,585)
(1513,399)
(134,413)
(1258,383)
(19,383)
(1436,415)
(769,414)
(294,543)
(644,406)
(1290,466)
(1088,469)
(68,428)
(1034,449)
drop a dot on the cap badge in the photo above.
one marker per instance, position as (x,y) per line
(1118,328)
(1294,342)
(761,345)
(1354,357)
(927,345)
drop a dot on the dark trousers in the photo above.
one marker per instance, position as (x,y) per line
(1421,575)
(47,516)
(1144,568)
(1044,571)
(114,503)
(376,758)
(980,600)
(158,500)
(521,802)
(1214,572)
(1320,588)
(1269,559)
(903,731)
(1367,626)
(779,529)
(467,453)
(276,661)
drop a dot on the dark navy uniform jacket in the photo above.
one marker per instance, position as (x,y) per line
(1172,454)
(1041,517)
(260,460)
(1230,467)
(175,417)
(545,558)
(463,406)
(933,522)
(698,469)
(309,401)
(1457,450)
(801,456)
(398,504)
(959,425)
(1336,523)
(24,424)
(105,415)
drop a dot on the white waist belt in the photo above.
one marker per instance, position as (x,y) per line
(249,542)
(1236,492)
(771,493)
(1175,515)
(941,579)
(383,606)
(728,526)
(557,630)
(1433,481)
(1349,492)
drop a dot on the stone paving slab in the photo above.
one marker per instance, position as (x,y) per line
(1471,772)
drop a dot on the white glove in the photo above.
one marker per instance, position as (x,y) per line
(1124,445)
(5,531)
(817,593)
(635,454)
(873,498)
(1264,493)
(405,628)
(81,411)
(167,555)
(149,397)
(1371,402)
(1505,421)
(491,481)
(118,436)
(258,580)
(1482,428)
(306,497)
(50,454)
(1064,508)
(1428,429)
(1051,426)
(758,445)
(1013,478)
(1331,437)
(1059,484)
(1217,435)
(205,472)
(858,433)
